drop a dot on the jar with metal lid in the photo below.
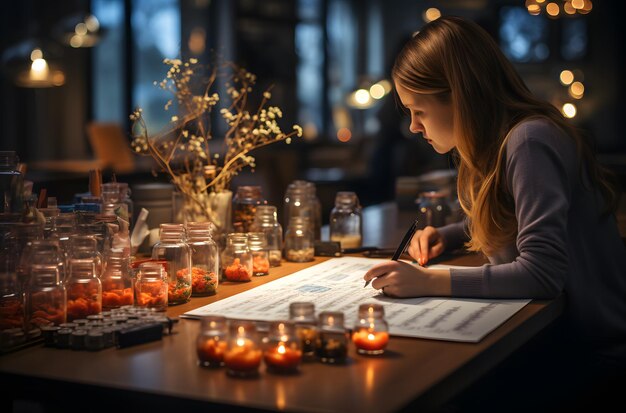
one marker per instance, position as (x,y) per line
(299,241)
(84,289)
(46,300)
(173,250)
(266,221)
(236,259)
(245,202)
(346,221)
(260,254)
(205,258)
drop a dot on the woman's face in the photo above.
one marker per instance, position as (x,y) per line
(431,117)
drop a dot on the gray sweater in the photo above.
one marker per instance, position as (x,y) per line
(563,244)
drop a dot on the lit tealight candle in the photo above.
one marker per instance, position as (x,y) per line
(243,357)
(370,342)
(283,359)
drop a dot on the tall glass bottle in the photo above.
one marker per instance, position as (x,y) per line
(205,259)
(266,221)
(346,221)
(174,251)
(245,203)
(11,183)
(84,290)
(299,241)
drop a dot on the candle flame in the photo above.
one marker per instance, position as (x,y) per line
(241,342)
(281,348)
(371,336)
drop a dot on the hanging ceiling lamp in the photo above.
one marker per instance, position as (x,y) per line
(30,64)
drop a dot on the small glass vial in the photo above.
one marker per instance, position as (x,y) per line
(236,258)
(346,221)
(283,354)
(174,251)
(371,331)
(266,221)
(212,343)
(243,356)
(299,241)
(260,254)
(151,286)
(303,315)
(245,203)
(84,290)
(332,340)
(116,281)
(205,259)
(46,298)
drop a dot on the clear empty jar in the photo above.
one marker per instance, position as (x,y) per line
(46,298)
(346,221)
(299,241)
(303,315)
(205,261)
(283,354)
(260,254)
(212,343)
(84,290)
(243,356)
(236,258)
(174,251)
(266,221)
(371,331)
(332,342)
(116,281)
(151,286)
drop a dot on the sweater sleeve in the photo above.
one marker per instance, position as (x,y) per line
(541,163)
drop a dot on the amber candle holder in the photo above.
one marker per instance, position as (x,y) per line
(283,354)
(211,344)
(332,342)
(303,315)
(371,332)
(243,355)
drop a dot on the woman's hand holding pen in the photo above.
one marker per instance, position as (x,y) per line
(401,279)
(427,243)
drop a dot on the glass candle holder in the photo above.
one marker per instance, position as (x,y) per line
(243,356)
(283,354)
(371,331)
(332,340)
(212,342)
(151,286)
(303,315)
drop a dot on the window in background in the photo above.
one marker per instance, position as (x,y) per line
(109,62)
(574,38)
(523,37)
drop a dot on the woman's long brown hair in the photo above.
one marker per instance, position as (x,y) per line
(459,62)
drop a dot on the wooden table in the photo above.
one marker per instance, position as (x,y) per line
(413,374)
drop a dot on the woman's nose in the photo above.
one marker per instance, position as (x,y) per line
(416,126)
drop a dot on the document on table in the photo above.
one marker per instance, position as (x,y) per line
(337,285)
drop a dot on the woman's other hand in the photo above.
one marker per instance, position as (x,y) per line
(426,244)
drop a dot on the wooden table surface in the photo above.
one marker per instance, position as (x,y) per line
(164,375)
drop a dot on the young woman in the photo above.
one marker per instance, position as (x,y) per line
(537,203)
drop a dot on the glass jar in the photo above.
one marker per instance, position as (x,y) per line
(299,241)
(236,258)
(46,300)
(433,209)
(86,247)
(303,315)
(260,254)
(112,201)
(116,281)
(245,203)
(41,252)
(151,286)
(332,340)
(315,206)
(283,354)
(84,289)
(212,343)
(11,183)
(266,221)
(49,215)
(297,203)
(243,356)
(205,259)
(12,309)
(346,221)
(174,251)
(65,229)
(371,331)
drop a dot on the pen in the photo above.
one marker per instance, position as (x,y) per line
(402,247)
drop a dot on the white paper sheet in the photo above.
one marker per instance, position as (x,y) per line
(337,285)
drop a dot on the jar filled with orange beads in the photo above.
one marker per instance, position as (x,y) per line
(236,259)
(371,331)
(151,286)
(205,263)
(243,355)
(257,242)
(116,281)
(46,301)
(84,290)
(174,251)
(212,341)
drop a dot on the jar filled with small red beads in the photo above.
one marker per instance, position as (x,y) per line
(84,290)
(174,251)
(236,259)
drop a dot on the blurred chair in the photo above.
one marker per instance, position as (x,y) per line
(111,147)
